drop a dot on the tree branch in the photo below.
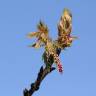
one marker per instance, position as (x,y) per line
(41,75)
(35,86)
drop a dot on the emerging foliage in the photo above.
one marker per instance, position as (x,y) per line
(53,48)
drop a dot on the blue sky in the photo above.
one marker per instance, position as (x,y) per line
(19,64)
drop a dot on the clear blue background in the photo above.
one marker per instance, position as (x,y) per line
(19,64)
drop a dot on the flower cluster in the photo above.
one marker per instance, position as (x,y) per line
(58,63)
(60,68)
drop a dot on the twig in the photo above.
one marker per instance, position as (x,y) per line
(41,75)
(35,86)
